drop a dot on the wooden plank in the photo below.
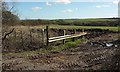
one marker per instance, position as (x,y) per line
(59,37)
(67,37)
(56,39)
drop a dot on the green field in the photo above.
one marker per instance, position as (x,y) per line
(90,20)
(114,28)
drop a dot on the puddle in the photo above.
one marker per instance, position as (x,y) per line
(105,43)
(109,44)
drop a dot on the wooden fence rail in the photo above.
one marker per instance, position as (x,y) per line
(53,39)
(65,37)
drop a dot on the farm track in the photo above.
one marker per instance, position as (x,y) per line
(83,57)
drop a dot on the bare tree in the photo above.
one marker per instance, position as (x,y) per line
(8,19)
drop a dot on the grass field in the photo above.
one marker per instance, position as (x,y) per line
(114,28)
(90,20)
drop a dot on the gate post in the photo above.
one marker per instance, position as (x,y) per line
(47,43)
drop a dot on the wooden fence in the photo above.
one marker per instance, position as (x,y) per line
(53,39)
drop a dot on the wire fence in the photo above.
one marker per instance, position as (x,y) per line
(32,38)
(24,40)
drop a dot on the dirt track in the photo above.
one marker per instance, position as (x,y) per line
(86,56)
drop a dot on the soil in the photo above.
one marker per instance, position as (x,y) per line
(89,55)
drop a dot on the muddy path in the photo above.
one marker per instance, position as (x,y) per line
(97,54)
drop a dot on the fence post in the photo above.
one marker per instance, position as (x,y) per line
(43,36)
(83,30)
(64,32)
(47,43)
(38,32)
(74,32)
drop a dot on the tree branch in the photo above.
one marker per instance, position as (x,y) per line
(7,34)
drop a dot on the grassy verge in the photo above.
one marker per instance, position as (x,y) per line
(48,49)
(67,45)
